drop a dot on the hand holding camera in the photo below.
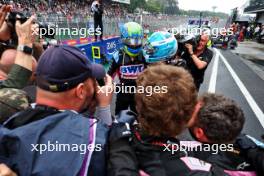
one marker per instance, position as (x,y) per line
(24,31)
(189,48)
(186,44)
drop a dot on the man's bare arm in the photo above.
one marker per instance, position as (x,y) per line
(4,29)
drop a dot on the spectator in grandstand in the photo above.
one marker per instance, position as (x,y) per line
(67,87)
(151,145)
(198,59)
(97,10)
(212,114)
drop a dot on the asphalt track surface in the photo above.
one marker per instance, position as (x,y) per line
(228,75)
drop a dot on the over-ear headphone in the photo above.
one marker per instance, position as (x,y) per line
(208,44)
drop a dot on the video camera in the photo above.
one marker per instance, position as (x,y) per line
(11,21)
(182,40)
(186,39)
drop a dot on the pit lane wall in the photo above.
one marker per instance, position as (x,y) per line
(99,52)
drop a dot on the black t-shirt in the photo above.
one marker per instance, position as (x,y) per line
(198,74)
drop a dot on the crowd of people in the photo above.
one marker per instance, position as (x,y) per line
(250,32)
(66,9)
(65,126)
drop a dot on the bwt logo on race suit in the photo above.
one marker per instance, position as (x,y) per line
(131,71)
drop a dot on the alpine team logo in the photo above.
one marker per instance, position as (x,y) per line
(131,71)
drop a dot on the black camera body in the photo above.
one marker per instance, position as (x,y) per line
(186,39)
(182,50)
(12,17)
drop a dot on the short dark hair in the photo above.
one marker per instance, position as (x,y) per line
(220,117)
(166,114)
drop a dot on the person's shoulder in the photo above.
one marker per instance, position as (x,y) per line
(209,51)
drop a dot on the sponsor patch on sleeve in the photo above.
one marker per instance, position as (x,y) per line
(196,164)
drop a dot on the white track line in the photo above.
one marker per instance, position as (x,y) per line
(252,103)
(212,83)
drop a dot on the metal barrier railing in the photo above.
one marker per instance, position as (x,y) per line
(111,24)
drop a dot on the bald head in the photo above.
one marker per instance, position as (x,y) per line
(8,59)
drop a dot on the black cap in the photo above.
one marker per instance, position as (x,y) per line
(62,68)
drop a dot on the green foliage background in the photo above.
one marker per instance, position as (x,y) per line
(169,7)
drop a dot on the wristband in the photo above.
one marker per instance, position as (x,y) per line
(25,49)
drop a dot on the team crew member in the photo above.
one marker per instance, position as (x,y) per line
(212,114)
(198,59)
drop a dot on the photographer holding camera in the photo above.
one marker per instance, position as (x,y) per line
(16,65)
(21,70)
(198,59)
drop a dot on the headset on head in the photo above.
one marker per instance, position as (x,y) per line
(209,42)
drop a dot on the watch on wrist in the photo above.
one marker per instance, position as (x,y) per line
(25,49)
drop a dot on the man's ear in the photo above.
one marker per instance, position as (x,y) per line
(80,91)
(200,134)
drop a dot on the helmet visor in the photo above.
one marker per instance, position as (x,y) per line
(133,41)
(134,46)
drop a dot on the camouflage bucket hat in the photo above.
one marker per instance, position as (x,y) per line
(11,102)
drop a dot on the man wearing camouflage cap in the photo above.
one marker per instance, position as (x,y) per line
(12,101)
